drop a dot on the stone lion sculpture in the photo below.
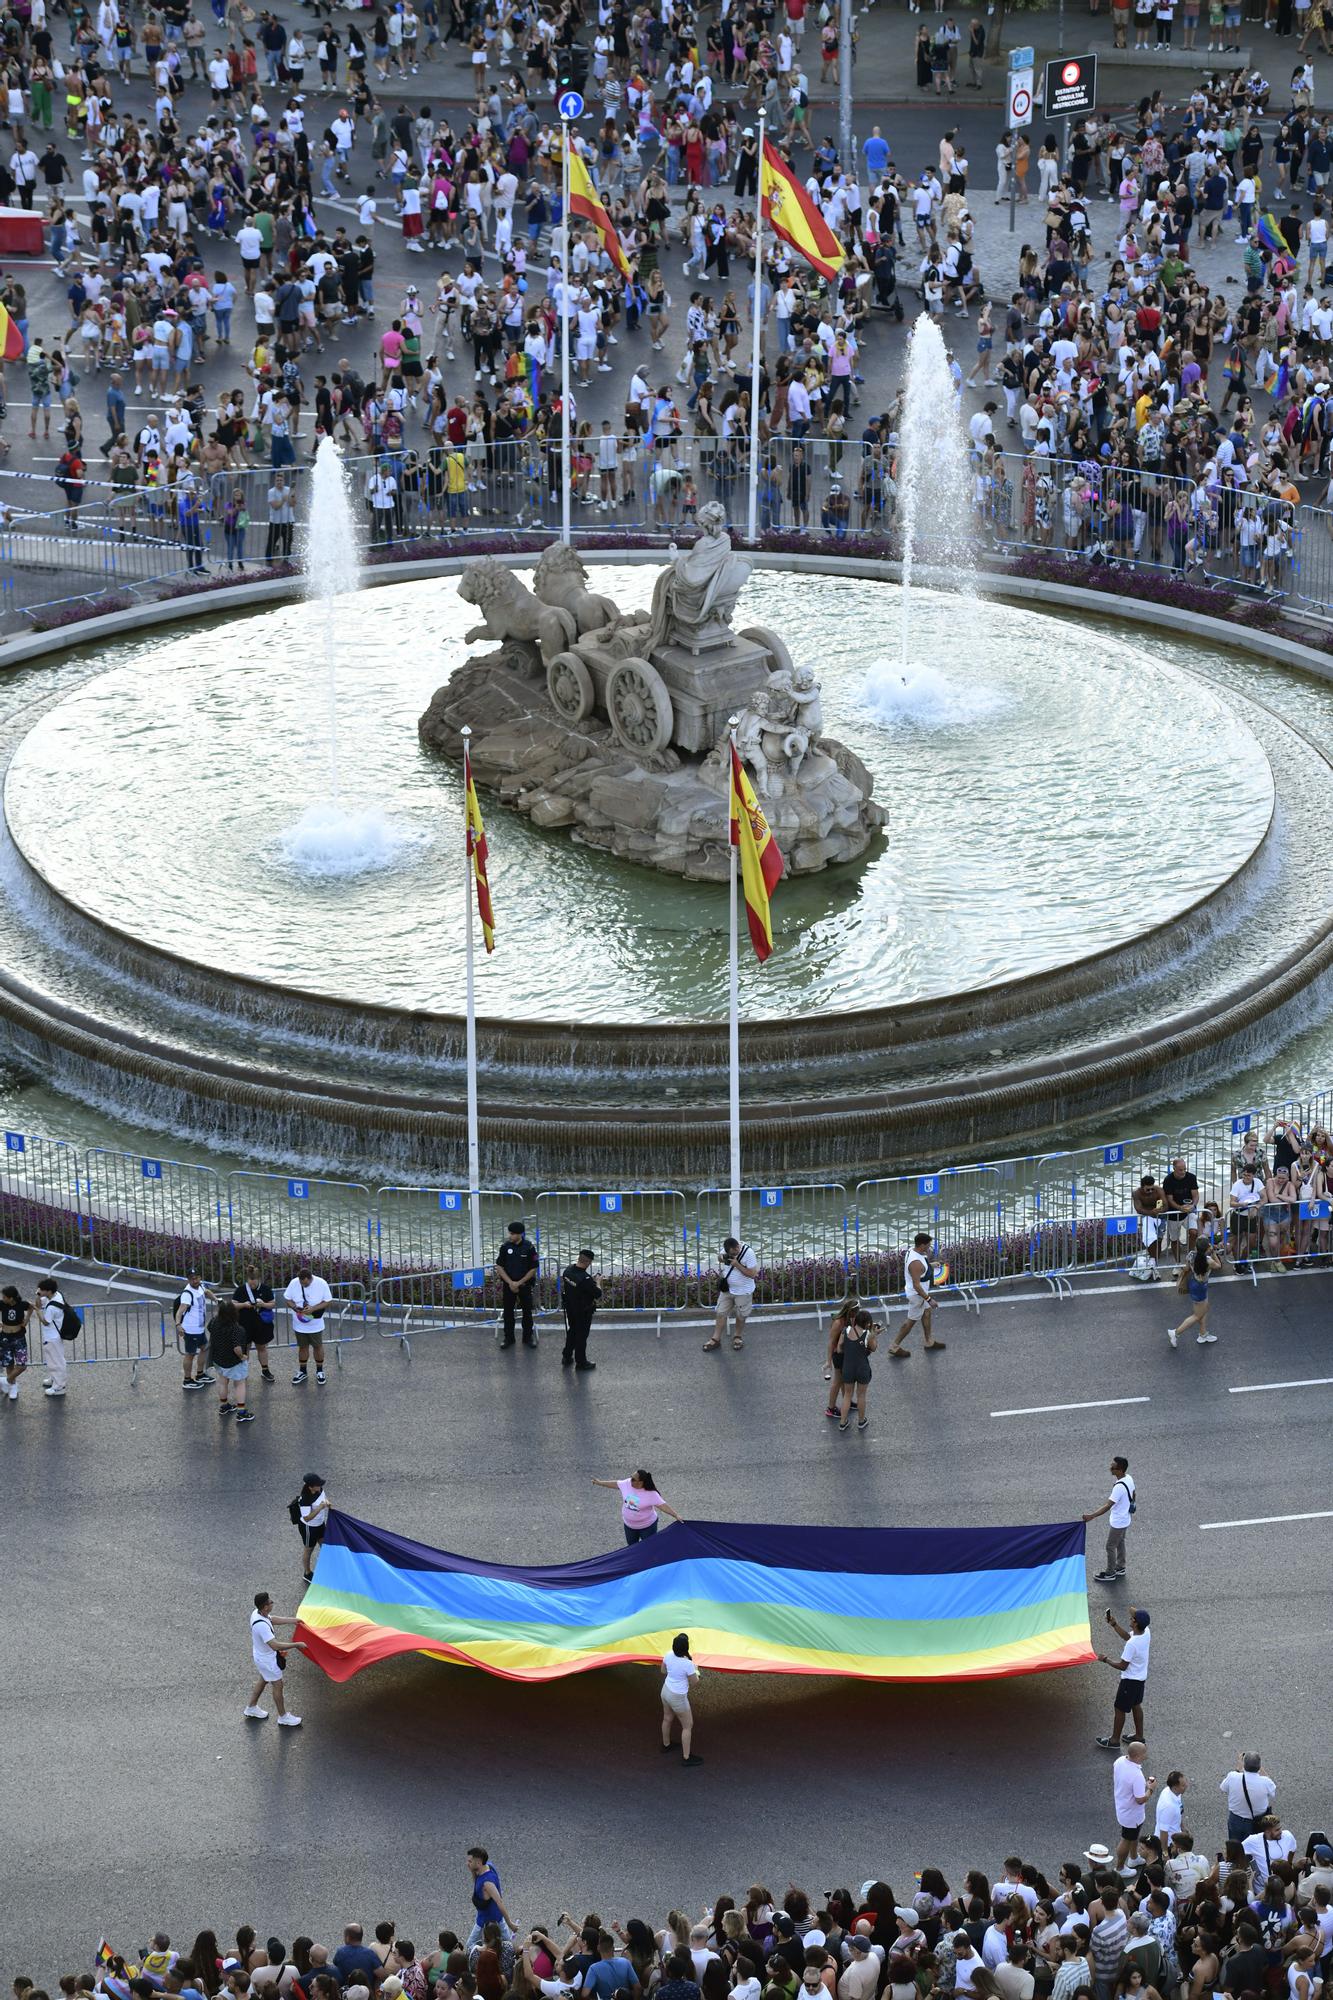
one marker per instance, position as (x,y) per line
(510,611)
(562,582)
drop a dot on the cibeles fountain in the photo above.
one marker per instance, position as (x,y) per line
(232,868)
(616,722)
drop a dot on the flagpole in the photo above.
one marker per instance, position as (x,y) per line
(734,1000)
(564,330)
(757,316)
(473,1148)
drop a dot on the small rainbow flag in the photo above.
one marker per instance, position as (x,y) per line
(884,1604)
(1270,236)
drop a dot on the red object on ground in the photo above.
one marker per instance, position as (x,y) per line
(21,233)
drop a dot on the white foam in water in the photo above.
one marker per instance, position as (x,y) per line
(332,843)
(924,697)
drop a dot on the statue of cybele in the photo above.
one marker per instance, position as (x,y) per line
(700,587)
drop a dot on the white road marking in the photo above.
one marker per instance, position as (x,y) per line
(1044,1409)
(1257,1388)
(1267,1520)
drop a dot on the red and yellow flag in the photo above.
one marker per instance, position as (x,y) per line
(760,856)
(476,849)
(584,202)
(11,336)
(793,216)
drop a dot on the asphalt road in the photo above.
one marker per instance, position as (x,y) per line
(138,1526)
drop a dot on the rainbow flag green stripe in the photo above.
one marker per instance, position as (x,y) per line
(876,1603)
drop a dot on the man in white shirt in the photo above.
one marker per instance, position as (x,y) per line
(1131,1790)
(738,1270)
(1249,1795)
(1119,1504)
(1271,1843)
(1185,1869)
(51,1313)
(917,1276)
(1167,1816)
(268,1666)
(1247,1196)
(192,1331)
(307,1296)
(1133,1671)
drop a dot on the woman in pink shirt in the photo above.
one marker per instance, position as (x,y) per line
(640,1504)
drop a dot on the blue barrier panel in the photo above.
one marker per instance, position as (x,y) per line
(276,1219)
(640,1240)
(800,1235)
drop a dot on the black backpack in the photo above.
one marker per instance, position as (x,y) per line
(71,1321)
(294,1511)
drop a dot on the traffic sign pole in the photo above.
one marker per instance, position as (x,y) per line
(1021,63)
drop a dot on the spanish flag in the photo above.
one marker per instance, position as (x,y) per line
(583,201)
(794,217)
(761,859)
(11,336)
(476,849)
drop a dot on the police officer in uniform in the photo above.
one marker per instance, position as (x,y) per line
(516,1261)
(579,1294)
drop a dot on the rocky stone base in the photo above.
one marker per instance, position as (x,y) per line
(670,813)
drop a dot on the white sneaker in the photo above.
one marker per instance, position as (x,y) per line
(1171,1335)
(289,1721)
(258,1714)
(1207,1339)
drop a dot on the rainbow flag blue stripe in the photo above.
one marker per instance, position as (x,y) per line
(891,1604)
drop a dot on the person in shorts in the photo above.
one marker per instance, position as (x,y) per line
(14,1315)
(192,1332)
(313,1507)
(679,1671)
(737,1273)
(1132,1668)
(916,1283)
(226,1353)
(270,1662)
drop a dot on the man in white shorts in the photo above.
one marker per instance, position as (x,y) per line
(916,1283)
(263,1645)
(737,1274)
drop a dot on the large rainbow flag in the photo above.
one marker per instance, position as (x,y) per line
(890,1604)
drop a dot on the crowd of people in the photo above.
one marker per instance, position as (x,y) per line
(1147,414)
(1165,1921)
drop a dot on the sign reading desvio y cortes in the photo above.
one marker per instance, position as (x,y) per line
(1071,86)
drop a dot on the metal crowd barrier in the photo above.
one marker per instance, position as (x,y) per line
(837,487)
(404,1254)
(806,1232)
(430,1228)
(126,1331)
(140,1208)
(640,1240)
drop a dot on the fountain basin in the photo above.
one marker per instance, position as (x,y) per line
(277,1068)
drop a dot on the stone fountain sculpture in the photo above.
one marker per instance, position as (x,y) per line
(614,723)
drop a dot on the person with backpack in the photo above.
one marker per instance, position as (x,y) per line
(309,1512)
(191,1315)
(59,1323)
(1121,1504)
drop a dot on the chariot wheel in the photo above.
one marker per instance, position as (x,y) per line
(761,635)
(569,686)
(639,707)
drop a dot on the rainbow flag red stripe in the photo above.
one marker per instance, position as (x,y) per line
(584,202)
(476,848)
